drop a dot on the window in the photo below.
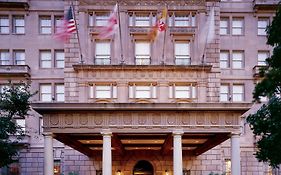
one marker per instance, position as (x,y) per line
(182,53)
(182,91)
(237,26)
(142,53)
(101,19)
(4,57)
(227,167)
(237,59)
(142,91)
(18,25)
(46,92)
(102,53)
(21,124)
(224,93)
(59,91)
(57,167)
(262,56)
(58,23)
(19,57)
(4,25)
(224,26)
(142,20)
(181,19)
(59,57)
(238,93)
(45,24)
(103,91)
(224,59)
(45,59)
(262,24)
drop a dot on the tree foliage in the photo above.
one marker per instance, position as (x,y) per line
(266,122)
(14,103)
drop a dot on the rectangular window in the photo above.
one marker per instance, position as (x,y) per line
(224,26)
(237,26)
(21,124)
(224,93)
(58,23)
(102,53)
(224,59)
(142,91)
(4,25)
(101,19)
(182,20)
(59,91)
(237,93)
(46,92)
(19,56)
(262,56)
(182,53)
(237,59)
(142,20)
(262,24)
(18,24)
(45,59)
(103,91)
(142,53)
(45,25)
(57,167)
(59,57)
(182,91)
(4,57)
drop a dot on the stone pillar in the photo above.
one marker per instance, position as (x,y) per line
(106,153)
(235,154)
(48,154)
(177,152)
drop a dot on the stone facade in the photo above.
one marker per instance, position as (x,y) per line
(80,74)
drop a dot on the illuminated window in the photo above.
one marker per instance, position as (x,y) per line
(57,167)
(227,167)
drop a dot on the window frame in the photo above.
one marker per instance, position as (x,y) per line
(142,59)
(262,61)
(261,30)
(45,60)
(16,60)
(59,62)
(4,17)
(113,90)
(102,59)
(186,58)
(16,26)
(49,85)
(134,93)
(225,61)
(8,60)
(242,27)
(227,27)
(42,27)
(236,60)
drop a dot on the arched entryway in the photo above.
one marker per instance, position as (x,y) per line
(143,167)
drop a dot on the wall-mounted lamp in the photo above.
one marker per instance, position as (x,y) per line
(118,172)
(166,172)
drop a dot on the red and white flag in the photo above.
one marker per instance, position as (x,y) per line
(67,27)
(110,29)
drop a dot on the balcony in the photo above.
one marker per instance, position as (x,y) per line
(256,71)
(19,4)
(15,70)
(265,4)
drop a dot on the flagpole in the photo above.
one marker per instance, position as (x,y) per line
(79,44)
(120,37)
(164,44)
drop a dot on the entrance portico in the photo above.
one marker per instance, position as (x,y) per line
(177,131)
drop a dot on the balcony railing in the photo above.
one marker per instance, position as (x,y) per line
(265,4)
(15,70)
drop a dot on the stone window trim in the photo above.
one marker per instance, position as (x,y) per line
(228,93)
(182,19)
(10,25)
(142,90)
(190,88)
(232,25)
(54,16)
(111,94)
(51,95)
(53,61)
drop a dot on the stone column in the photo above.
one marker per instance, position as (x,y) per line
(48,154)
(177,152)
(235,154)
(106,153)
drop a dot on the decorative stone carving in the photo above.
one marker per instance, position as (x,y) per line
(83,120)
(68,119)
(156,119)
(185,118)
(112,119)
(98,120)
(54,120)
(127,119)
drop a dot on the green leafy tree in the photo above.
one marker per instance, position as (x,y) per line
(14,103)
(266,122)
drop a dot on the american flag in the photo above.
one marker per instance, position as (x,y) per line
(67,27)
(110,28)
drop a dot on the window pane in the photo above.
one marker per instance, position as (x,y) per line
(59,92)
(237,26)
(45,57)
(103,91)
(18,24)
(238,93)
(182,91)
(58,23)
(182,20)
(262,56)
(182,53)
(45,25)
(143,91)
(59,56)
(102,56)
(4,24)
(142,53)
(224,93)
(19,57)
(224,59)
(142,20)
(237,59)
(46,93)
(101,19)
(224,26)
(4,57)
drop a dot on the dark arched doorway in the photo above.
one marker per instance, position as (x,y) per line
(143,167)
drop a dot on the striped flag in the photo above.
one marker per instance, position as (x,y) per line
(67,27)
(110,28)
(160,25)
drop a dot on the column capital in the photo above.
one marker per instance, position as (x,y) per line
(106,132)
(50,134)
(178,132)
